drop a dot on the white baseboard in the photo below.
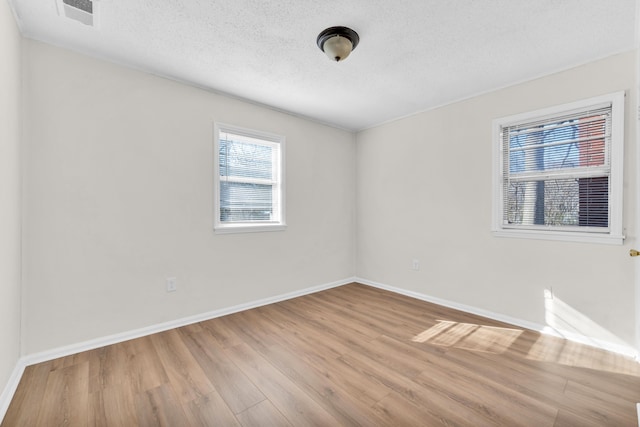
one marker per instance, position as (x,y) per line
(10,388)
(32,359)
(571,336)
(14,380)
(55,353)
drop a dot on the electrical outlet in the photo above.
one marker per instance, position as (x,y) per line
(172,284)
(415,264)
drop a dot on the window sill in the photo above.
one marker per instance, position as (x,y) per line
(248,228)
(562,236)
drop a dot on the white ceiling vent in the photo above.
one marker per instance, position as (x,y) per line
(84,11)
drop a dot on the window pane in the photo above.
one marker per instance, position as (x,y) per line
(558,145)
(558,202)
(594,202)
(245,202)
(245,160)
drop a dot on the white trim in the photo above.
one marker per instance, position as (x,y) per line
(161,327)
(571,336)
(564,236)
(636,218)
(249,228)
(278,142)
(22,363)
(44,356)
(11,387)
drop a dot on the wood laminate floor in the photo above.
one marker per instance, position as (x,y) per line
(348,356)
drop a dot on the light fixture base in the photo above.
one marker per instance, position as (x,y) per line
(338,42)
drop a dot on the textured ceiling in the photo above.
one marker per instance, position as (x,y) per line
(413,54)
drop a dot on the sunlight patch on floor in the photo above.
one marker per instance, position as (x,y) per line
(570,353)
(565,321)
(469,336)
(570,339)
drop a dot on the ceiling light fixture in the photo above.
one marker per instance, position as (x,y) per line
(338,42)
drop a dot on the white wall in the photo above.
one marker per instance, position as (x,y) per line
(118,178)
(424,192)
(10,81)
(118,197)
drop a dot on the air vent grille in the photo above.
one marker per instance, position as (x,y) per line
(84,11)
(84,5)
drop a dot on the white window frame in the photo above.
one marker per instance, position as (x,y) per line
(278,204)
(615,233)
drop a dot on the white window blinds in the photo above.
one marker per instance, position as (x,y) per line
(556,170)
(249,178)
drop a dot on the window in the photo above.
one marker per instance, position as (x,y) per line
(558,172)
(249,180)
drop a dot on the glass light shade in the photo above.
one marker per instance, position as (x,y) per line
(337,48)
